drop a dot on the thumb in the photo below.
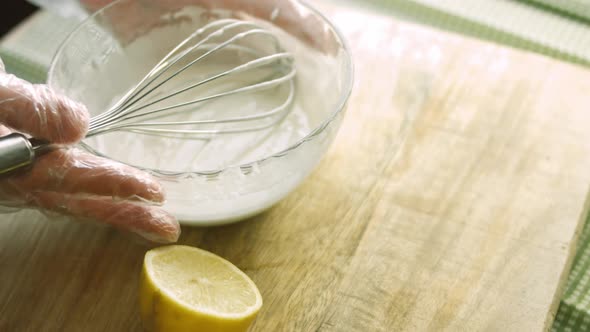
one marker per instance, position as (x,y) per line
(40,112)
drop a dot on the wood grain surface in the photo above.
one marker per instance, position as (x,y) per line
(470,227)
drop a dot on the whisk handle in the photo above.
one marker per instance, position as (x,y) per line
(17,152)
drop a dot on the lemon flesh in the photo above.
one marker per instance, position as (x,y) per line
(188,289)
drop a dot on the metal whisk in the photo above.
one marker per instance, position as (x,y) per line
(143,108)
(129,113)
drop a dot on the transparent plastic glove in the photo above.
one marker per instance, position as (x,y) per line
(68,180)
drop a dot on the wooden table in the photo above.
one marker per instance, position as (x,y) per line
(470,227)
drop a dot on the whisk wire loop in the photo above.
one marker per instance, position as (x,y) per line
(131,112)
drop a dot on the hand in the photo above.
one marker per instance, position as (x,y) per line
(70,181)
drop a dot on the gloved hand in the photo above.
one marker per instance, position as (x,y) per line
(70,181)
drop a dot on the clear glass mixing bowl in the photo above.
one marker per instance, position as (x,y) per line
(110,51)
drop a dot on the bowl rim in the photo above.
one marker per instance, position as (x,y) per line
(246,167)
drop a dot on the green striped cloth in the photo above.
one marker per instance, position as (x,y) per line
(574,310)
(558,28)
(525,24)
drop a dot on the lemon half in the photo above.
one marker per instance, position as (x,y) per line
(188,289)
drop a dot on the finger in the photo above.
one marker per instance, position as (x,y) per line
(4,131)
(73,171)
(150,222)
(2,68)
(292,17)
(37,110)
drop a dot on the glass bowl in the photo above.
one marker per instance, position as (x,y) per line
(210,181)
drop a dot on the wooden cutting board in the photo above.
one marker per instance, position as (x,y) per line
(470,227)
